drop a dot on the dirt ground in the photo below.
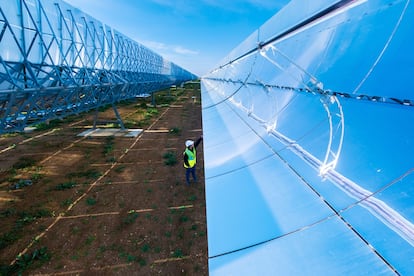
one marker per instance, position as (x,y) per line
(72,205)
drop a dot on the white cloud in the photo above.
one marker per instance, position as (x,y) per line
(154,45)
(162,48)
(184,51)
(177,54)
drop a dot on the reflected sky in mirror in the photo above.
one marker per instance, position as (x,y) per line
(318,93)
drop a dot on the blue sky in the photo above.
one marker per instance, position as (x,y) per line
(194,34)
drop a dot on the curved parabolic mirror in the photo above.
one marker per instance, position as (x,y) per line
(309,144)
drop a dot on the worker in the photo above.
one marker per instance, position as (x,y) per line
(190,159)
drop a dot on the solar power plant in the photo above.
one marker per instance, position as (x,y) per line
(57,61)
(307,125)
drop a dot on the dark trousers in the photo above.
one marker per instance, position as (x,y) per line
(191,171)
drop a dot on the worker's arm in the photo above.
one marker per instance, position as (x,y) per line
(198,141)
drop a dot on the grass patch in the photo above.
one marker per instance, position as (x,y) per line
(175,131)
(183,218)
(111,159)
(24,162)
(165,98)
(178,253)
(142,105)
(75,230)
(37,175)
(90,201)
(66,202)
(181,233)
(31,216)
(130,124)
(120,169)
(9,238)
(130,218)
(150,112)
(65,186)
(90,174)
(142,261)
(25,218)
(192,198)
(145,248)
(109,145)
(26,261)
(131,258)
(90,240)
(48,125)
(105,107)
(169,158)
(8,213)
(10,134)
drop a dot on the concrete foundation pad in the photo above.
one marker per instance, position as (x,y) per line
(105,132)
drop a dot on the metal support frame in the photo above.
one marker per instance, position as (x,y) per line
(56,62)
(153,102)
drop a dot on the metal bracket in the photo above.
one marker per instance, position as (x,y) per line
(118,117)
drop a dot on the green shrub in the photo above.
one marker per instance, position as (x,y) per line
(23,262)
(130,218)
(90,174)
(175,131)
(65,186)
(90,201)
(178,253)
(9,238)
(145,248)
(170,158)
(24,162)
(109,145)
(48,125)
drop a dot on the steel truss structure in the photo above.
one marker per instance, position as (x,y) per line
(56,61)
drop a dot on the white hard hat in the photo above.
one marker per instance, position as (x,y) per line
(189,143)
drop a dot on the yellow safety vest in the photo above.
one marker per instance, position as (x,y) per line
(191,158)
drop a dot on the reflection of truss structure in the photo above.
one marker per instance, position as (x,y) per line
(335,122)
(56,61)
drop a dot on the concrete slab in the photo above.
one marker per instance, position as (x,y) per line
(105,132)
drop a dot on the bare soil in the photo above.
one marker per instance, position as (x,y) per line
(72,205)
